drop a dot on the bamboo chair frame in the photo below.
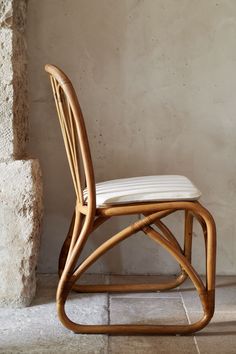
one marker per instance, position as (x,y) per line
(87,217)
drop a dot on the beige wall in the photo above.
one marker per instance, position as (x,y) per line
(157,84)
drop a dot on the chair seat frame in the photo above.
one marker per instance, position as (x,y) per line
(88,217)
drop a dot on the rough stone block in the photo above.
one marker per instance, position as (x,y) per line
(6,12)
(13,83)
(13,14)
(20,218)
(6,94)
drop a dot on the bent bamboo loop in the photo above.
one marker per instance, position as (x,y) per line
(87,217)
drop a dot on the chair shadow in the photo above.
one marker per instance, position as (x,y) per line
(217,332)
(218,286)
(217,328)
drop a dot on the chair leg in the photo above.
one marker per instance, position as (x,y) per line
(65,247)
(188,233)
(206,293)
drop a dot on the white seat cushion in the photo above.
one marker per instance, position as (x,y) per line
(145,189)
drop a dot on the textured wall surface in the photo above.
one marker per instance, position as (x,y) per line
(157,82)
(20,178)
(13,83)
(20,215)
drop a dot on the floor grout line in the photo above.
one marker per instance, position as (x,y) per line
(216,311)
(108,308)
(144,297)
(189,321)
(108,317)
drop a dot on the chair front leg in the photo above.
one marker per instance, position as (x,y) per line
(65,247)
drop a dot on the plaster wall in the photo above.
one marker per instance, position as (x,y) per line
(157,82)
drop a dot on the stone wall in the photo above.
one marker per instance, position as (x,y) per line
(20,177)
(13,84)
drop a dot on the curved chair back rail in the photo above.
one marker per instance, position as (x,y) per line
(74,135)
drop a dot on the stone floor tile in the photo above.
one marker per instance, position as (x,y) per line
(219,336)
(47,285)
(225,294)
(152,345)
(152,310)
(57,344)
(88,308)
(37,329)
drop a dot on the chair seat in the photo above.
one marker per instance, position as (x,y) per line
(145,189)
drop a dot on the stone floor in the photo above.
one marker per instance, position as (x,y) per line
(36,329)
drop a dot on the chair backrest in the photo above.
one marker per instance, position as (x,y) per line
(74,135)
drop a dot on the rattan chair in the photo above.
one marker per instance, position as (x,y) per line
(154,197)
